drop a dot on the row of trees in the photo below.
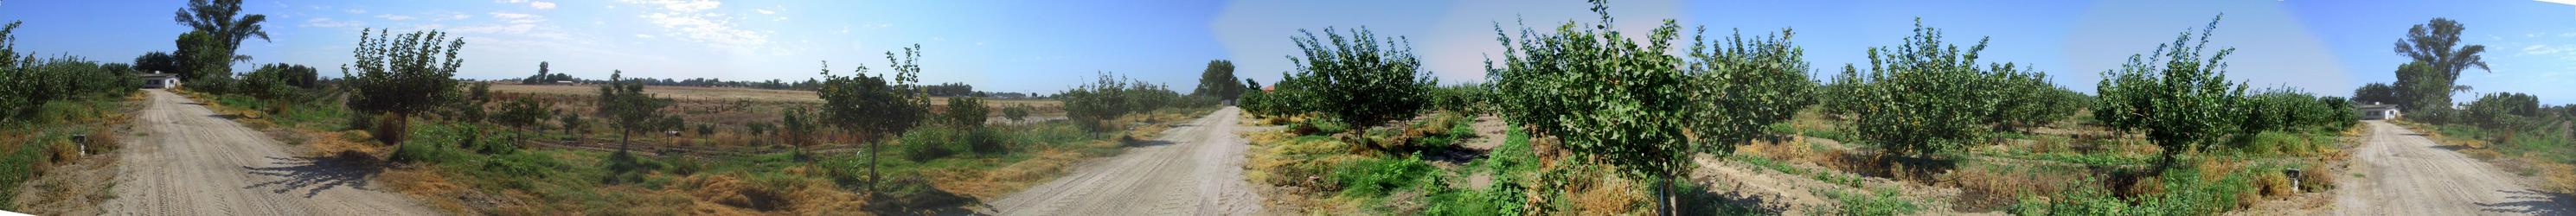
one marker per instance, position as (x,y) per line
(1093,105)
(27,83)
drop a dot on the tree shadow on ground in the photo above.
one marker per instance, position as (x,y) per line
(1697,199)
(316,174)
(1142,143)
(2532,202)
(913,195)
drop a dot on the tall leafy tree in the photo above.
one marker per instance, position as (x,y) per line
(203,58)
(1365,82)
(872,107)
(223,20)
(1218,81)
(2436,44)
(402,74)
(2378,93)
(157,61)
(2181,100)
(624,102)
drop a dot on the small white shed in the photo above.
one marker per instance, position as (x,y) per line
(158,80)
(2376,111)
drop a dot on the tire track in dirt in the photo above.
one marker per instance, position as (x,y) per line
(1191,170)
(190,162)
(2404,173)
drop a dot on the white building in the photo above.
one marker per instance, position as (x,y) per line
(160,80)
(2376,111)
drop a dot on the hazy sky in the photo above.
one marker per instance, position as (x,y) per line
(1044,46)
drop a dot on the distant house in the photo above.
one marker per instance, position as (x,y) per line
(159,80)
(2376,111)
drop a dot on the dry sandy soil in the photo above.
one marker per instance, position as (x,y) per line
(2404,173)
(1195,169)
(188,161)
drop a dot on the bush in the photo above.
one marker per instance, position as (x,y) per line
(966,112)
(1377,177)
(2181,104)
(1926,96)
(1092,105)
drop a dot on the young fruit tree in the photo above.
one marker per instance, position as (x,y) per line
(401,75)
(1926,96)
(870,107)
(2179,99)
(623,102)
(966,112)
(1632,105)
(1360,81)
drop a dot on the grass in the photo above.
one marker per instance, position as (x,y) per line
(32,145)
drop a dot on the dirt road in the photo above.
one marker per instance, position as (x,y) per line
(1195,169)
(2404,173)
(191,162)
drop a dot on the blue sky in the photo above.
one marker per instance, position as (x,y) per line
(1044,46)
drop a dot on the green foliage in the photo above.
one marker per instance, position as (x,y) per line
(1358,80)
(1467,98)
(524,112)
(1092,105)
(966,112)
(1635,106)
(874,106)
(1218,81)
(2439,57)
(797,127)
(1925,96)
(2422,87)
(2503,111)
(205,63)
(2284,109)
(630,110)
(2180,100)
(2376,93)
(1374,177)
(278,81)
(401,75)
(1017,113)
(223,21)
(32,83)
(1882,202)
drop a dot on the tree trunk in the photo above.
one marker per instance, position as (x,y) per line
(873,179)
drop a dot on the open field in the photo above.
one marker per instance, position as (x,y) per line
(730,94)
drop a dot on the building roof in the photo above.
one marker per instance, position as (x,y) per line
(2376,106)
(157,75)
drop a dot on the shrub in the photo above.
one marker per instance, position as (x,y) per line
(1093,105)
(1360,81)
(966,112)
(1926,97)
(1016,113)
(1639,108)
(2182,103)
(1378,177)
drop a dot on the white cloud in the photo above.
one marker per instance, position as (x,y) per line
(644,36)
(355,11)
(764,11)
(2537,49)
(681,6)
(518,17)
(328,23)
(394,17)
(685,19)
(541,5)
